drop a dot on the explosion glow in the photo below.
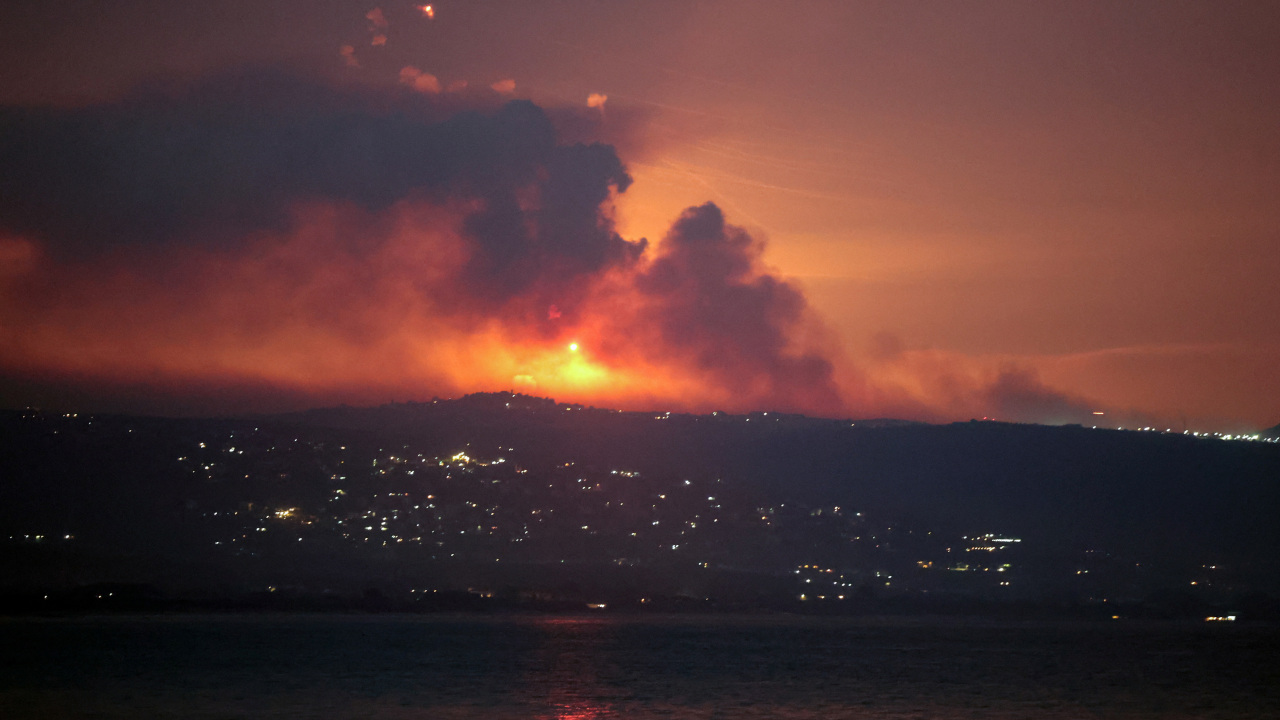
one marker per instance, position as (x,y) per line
(429,209)
(363,303)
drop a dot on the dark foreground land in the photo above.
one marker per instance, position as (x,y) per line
(501,502)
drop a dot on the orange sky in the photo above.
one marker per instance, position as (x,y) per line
(1007,209)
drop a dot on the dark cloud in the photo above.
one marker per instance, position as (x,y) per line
(396,232)
(556,234)
(234,155)
(714,305)
(632,130)
(1018,395)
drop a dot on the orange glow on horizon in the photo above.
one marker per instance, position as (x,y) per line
(301,317)
(1009,228)
(302,314)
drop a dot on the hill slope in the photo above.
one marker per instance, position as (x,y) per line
(501,490)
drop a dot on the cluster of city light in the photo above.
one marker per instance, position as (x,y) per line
(390,522)
(1229,436)
(1237,437)
(991,542)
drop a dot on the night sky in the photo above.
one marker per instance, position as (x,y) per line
(931,210)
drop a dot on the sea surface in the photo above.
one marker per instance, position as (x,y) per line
(602,666)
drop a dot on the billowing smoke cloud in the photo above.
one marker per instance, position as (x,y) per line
(418,80)
(719,312)
(235,155)
(349,58)
(939,385)
(1017,394)
(262,229)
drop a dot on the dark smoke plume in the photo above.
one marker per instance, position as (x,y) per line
(715,307)
(232,156)
(198,207)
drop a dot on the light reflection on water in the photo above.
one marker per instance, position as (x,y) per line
(606,667)
(564,671)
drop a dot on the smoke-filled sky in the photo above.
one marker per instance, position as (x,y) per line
(934,210)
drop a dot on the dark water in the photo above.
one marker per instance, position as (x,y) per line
(608,667)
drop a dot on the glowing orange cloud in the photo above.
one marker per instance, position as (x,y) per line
(418,80)
(304,313)
(392,269)
(355,307)
(597,100)
(348,54)
(504,86)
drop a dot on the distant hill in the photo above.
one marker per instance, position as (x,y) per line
(1074,486)
(486,490)
(1273,433)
